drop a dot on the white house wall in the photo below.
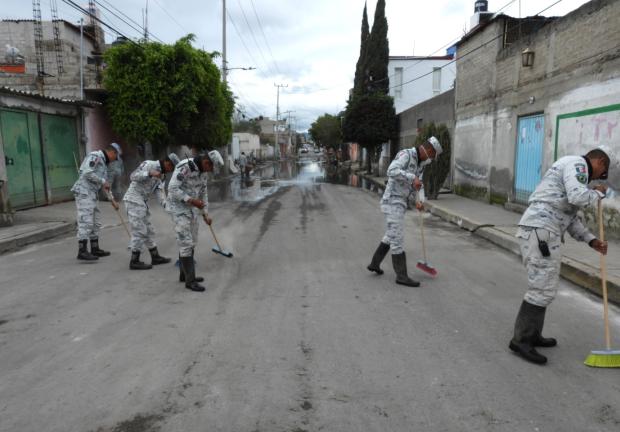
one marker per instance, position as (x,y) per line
(421,88)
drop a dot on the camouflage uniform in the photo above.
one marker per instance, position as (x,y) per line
(92,176)
(187,182)
(115,178)
(136,202)
(401,173)
(243,162)
(552,211)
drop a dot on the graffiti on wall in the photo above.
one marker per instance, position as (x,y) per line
(578,132)
(582,130)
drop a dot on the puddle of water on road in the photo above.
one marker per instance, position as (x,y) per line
(268,179)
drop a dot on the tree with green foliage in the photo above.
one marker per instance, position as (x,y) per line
(370,118)
(250,126)
(436,173)
(167,95)
(360,82)
(379,52)
(372,121)
(326,131)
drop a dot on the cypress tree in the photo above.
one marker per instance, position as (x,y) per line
(361,68)
(370,119)
(379,52)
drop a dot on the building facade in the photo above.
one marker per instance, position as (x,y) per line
(61,64)
(40,148)
(416,79)
(540,88)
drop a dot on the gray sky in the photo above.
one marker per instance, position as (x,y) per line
(311,45)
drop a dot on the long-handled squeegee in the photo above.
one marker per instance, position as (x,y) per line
(218,249)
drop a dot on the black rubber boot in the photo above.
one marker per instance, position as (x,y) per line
(156,258)
(377,258)
(83,253)
(527,333)
(541,341)
(190,275)
(400,267)
(94,248)
(136,264)
(182,275)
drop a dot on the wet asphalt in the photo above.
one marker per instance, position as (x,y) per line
(292,334)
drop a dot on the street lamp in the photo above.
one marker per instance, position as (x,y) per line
(241,68)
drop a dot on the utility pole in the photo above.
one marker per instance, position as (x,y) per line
(288,115)
(277,144)
(224,65)
(145,23)
(82,58)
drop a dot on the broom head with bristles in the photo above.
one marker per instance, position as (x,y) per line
(427,268)
(604,359)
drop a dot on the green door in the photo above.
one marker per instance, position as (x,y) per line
(61,151)
(24,164)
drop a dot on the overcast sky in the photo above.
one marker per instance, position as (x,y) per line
(309,45)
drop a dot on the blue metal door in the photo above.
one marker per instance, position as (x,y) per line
(528,166)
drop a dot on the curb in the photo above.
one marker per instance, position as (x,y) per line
(55,229)
(577,272)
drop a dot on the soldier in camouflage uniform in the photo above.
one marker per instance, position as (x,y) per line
(187,201)
(404,178)
(552,211)
(146,180)
(92,177)
(115,174)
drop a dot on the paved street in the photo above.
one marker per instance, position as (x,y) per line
(292,334)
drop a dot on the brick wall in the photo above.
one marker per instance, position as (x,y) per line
(21,35)
(577,62)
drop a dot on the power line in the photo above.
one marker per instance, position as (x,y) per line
(87,13)
(260,51)
(449,44)
(135,26)
(473,50)
(171,17)
(260,26)
(232,21)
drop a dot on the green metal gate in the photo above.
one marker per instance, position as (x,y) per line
(61,150)
(23,157)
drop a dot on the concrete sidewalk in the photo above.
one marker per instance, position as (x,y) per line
(580,264)
(47,222)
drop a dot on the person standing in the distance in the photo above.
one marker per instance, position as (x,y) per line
(404,178)
(93,176)
(116,170)
(552,212)
(187,201)
(146,180)
(243,163)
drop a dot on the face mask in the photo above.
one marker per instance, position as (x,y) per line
(427,161)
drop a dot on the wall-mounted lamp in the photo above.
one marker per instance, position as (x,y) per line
(527,58)
(532,99)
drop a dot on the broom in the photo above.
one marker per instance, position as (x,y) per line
(424,265)
(606,358)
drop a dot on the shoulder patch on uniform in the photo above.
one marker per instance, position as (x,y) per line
(582,178)
(581,168)
(581,172)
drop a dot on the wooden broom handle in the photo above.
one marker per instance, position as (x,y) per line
(422,233)
(601,234)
